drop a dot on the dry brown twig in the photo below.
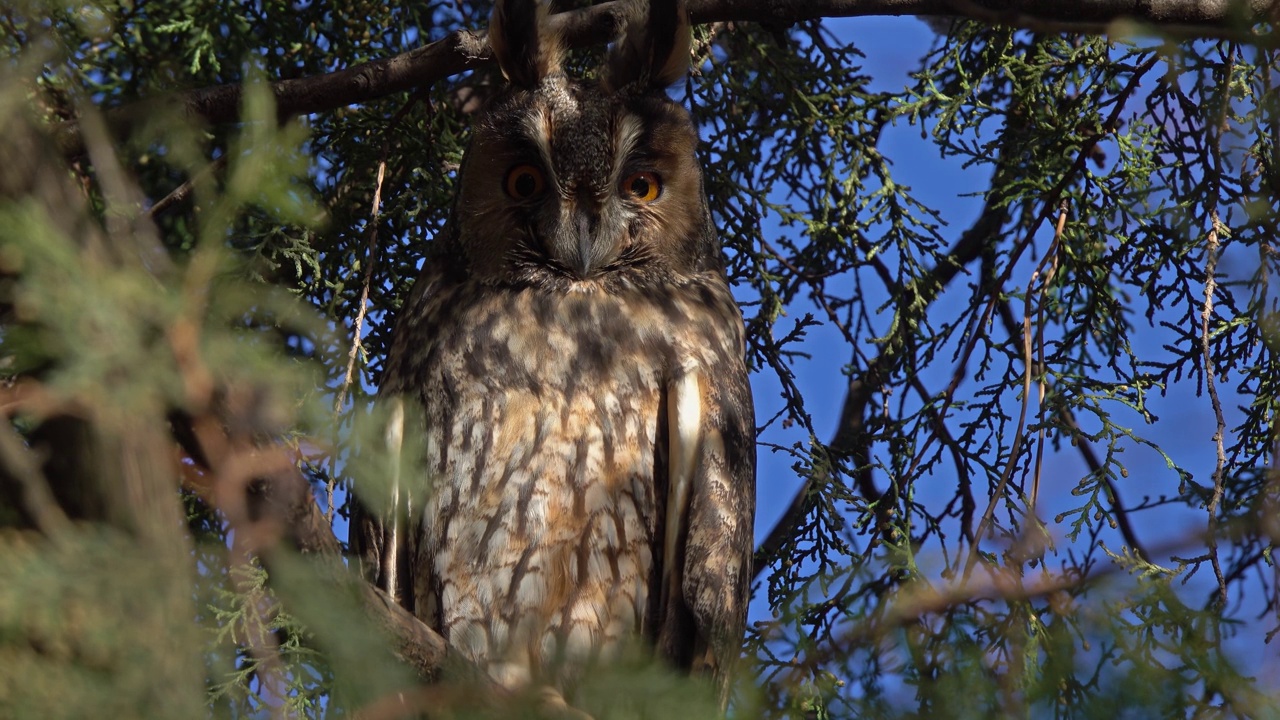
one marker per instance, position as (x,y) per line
(357,326)
(1043,273)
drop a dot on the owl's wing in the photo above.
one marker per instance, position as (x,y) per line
(383,542)
(707,544)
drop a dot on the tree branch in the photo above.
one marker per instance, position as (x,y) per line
(467,49)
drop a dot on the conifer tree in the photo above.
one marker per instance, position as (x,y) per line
(210,213)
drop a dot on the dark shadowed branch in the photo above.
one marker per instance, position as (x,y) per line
(466,49)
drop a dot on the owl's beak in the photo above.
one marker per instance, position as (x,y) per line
(582,241)
(585,227)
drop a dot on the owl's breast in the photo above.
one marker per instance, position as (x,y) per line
(544,423)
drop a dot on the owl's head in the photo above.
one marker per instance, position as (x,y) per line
(576,183)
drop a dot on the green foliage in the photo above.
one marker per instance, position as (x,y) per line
(79,641)
(975,539)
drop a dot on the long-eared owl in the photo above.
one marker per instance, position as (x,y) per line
(572,340)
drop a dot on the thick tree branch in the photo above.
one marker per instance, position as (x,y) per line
(466,49)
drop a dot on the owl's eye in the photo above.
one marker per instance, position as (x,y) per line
(524,182)
(642,187)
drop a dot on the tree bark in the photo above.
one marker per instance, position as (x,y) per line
(467,49)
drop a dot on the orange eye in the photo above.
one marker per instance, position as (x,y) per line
(642,187)
(524,182)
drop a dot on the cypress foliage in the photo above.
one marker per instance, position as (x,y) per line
(196,296)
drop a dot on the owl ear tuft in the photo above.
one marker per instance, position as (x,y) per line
(525,47)
(654,49)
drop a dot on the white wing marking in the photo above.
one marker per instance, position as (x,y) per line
(396,534)
(684,430)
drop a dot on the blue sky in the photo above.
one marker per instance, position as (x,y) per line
(893,48)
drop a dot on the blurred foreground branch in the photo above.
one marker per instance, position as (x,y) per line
(263,494)
(98,457)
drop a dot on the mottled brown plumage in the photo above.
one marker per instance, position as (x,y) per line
(573,342)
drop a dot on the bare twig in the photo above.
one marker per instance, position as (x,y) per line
(1212,250)
(1043,274)
(370,259)
(184,191)
(997,494)
(1211,384)
(357,325)
(1042,301)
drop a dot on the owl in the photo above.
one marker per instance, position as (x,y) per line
(589,469)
